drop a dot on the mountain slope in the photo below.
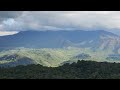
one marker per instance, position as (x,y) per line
(58,39)
(12,60)
(79,70)
(54,48)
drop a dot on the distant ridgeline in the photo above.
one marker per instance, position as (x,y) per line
(58,39)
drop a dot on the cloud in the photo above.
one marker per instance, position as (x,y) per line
(71,19)
(59,20)
(10,14)
(2,33)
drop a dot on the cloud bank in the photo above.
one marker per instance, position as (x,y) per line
(13,21)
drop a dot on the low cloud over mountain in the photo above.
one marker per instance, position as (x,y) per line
(59,20)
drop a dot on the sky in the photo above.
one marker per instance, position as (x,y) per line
(12,22)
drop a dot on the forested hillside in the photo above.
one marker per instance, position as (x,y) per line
(80,70)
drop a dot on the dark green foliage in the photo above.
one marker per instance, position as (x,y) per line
(80,70)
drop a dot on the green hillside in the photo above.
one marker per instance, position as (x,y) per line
(55,57)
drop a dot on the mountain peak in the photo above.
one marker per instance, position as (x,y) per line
(59,39)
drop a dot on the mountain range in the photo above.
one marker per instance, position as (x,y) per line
(59,39)
(54,48)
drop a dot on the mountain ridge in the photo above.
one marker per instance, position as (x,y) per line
(58,39)
(53,48)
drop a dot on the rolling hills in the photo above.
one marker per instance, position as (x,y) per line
(54,48)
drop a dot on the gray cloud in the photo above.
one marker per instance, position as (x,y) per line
(9,14)
(71,19)
(58,20)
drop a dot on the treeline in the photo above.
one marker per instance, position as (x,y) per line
(80,70)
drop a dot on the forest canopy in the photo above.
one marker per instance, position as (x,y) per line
(80,70)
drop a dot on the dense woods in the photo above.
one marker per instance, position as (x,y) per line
(80,70)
